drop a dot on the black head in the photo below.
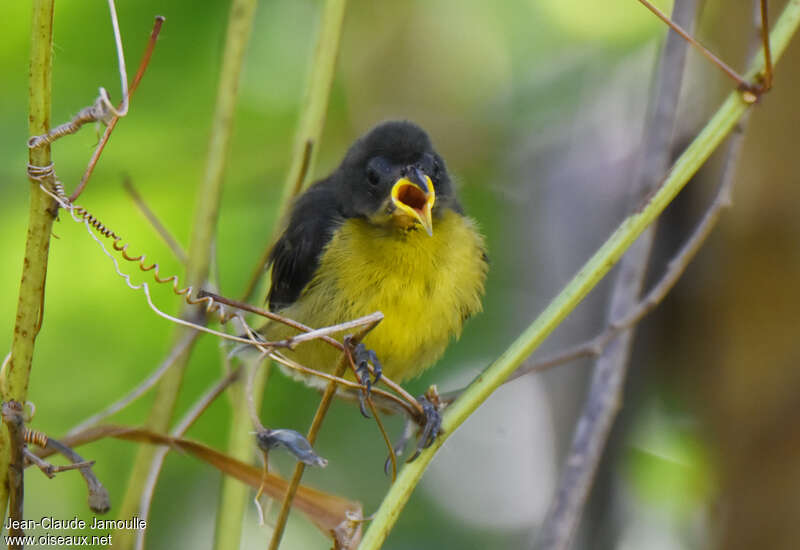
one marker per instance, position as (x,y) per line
(378,160)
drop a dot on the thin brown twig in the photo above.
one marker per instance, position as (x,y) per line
(589,348)
(732,74)
(50,470)
(371,319)
(40,463)
(99,501)
(767,84)
(268,315)
(386,439)
(113,122)
(374,410)
(162,231)
(316,424)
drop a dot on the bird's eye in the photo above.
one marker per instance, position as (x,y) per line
(375,170)
(373,177)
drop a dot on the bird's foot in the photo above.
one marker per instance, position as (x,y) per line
(363,357)
(430,424)
(432,420)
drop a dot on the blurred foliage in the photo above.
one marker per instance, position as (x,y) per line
(507,91)
(668,464)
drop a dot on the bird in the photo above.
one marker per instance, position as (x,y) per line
(384,232)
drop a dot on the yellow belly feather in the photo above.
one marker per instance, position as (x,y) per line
(425,286)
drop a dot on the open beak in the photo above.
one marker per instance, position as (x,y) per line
(414,195)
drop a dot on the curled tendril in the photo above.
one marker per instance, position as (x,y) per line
(35,437)
(83,215)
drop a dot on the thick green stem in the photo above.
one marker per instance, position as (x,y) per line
(205,221)
(609,253)
(40,220)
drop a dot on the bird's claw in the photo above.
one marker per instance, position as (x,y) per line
(430,423)
(362,357)
(433,422)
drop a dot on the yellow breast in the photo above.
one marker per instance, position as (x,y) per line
(426,287)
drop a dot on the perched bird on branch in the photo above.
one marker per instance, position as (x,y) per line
(384,232)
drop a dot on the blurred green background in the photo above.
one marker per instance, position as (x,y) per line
(538,108)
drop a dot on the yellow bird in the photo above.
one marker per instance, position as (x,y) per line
(383,232)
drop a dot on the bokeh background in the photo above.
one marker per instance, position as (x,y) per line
(538,106)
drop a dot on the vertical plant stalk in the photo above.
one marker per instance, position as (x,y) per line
(14,379)
(602,404)
(311,123)
(315,105)
(233,497)
(709,138)
(205,221)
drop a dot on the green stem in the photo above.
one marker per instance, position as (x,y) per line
(609,253)
(34,268)
(240,23)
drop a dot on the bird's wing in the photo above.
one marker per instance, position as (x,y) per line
(295,257)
